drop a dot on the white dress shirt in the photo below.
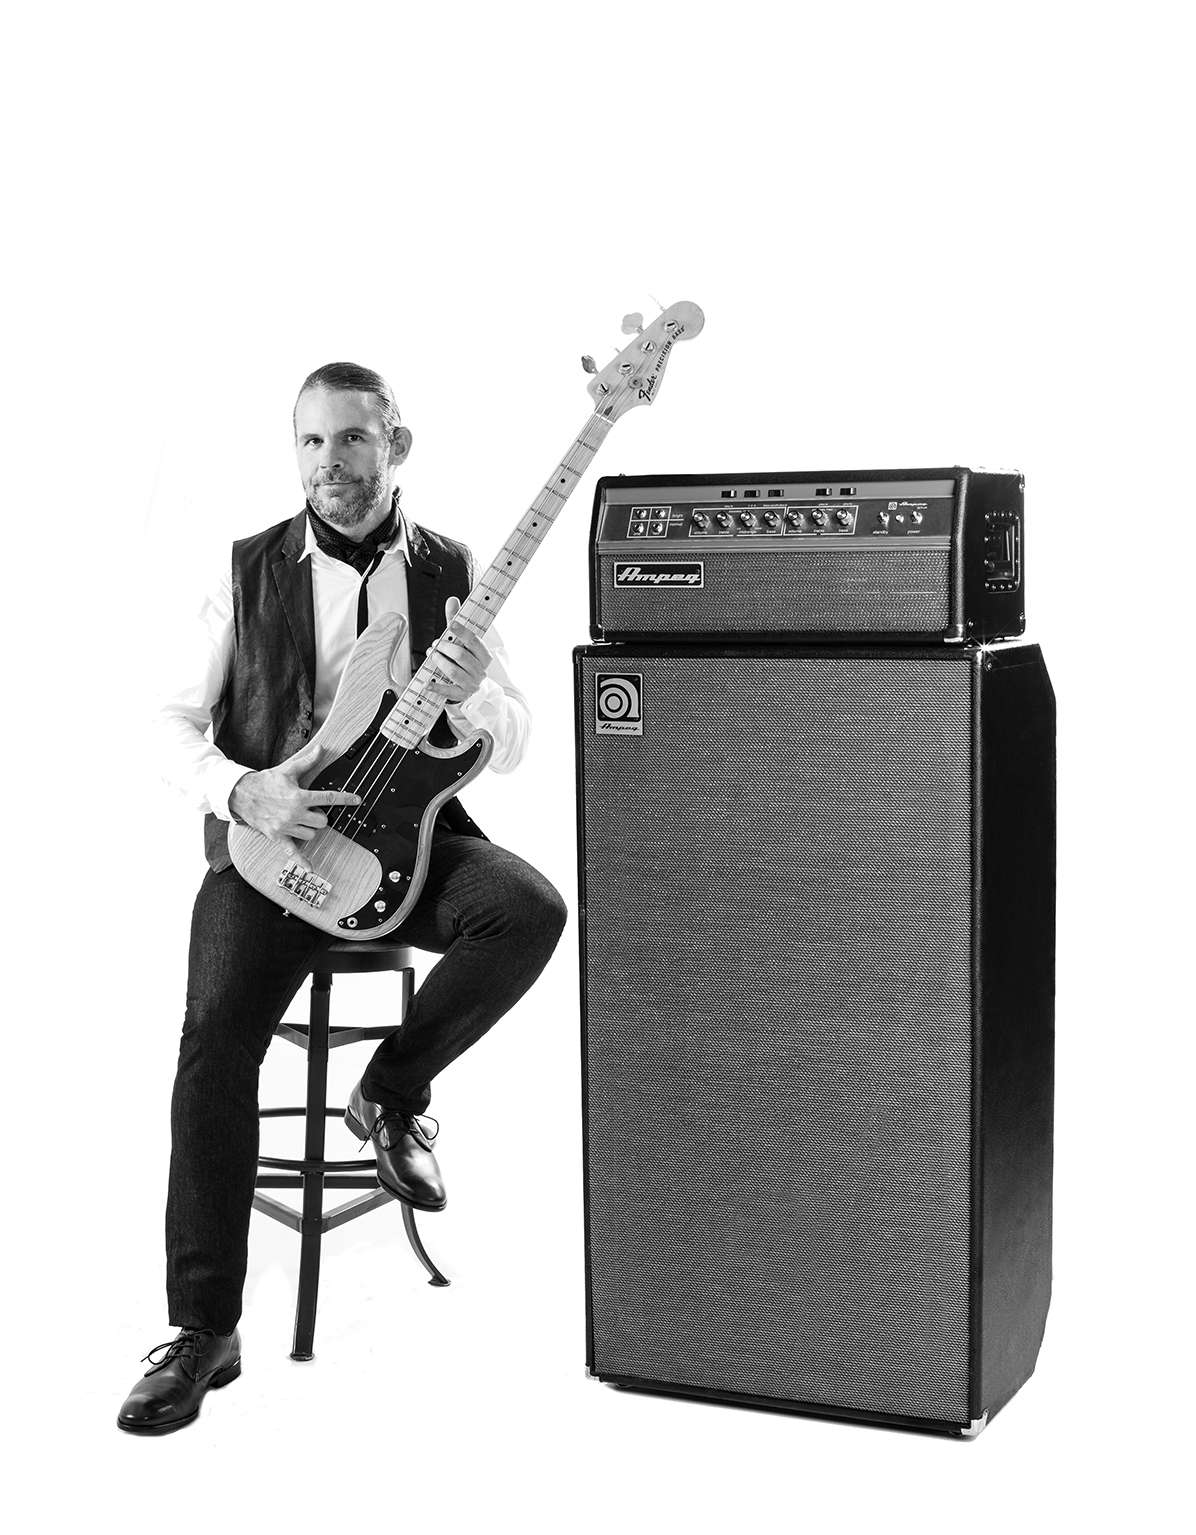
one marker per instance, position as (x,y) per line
(194,669)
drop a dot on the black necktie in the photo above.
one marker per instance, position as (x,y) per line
(365,557)
(363,601)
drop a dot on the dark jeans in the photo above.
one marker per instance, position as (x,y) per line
(494,919)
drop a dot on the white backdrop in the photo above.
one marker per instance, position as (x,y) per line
(921,234)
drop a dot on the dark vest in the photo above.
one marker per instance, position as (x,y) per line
(265,714)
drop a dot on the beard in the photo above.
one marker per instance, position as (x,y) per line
(354,505)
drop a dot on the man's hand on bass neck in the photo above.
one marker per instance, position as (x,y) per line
(460,659)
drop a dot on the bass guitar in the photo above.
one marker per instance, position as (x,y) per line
(367,866)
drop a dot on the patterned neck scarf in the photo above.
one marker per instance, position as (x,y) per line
(363,556)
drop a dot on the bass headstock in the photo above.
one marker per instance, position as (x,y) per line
(633,378)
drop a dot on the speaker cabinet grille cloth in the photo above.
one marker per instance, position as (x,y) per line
(778,946)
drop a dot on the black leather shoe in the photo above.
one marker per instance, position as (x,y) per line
(407,1167)
(169,1393)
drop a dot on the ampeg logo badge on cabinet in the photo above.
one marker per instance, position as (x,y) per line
(618,704)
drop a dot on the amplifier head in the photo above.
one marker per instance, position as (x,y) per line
(881,553)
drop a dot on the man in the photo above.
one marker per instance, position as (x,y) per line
(263,668)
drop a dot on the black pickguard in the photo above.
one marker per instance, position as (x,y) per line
(397,798)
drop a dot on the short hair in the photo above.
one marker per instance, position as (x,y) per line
(350,376)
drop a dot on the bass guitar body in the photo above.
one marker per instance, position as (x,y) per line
(368,865)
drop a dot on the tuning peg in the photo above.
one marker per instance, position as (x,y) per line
(633,324)
(589,365)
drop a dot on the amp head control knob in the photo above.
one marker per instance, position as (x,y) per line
(793,519)
(699,519)
(771,519)
(843,517)
(747,519)
(723,519)
(818,517)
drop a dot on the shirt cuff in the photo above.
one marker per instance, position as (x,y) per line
(481,710)
(219,782)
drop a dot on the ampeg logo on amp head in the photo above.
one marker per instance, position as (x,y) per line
(671,573)
(935,553)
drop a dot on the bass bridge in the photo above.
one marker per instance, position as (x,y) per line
(304,885)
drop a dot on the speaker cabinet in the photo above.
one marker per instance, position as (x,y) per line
(817,900)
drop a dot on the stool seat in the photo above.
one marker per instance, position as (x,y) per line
(363,958)
(313,1172)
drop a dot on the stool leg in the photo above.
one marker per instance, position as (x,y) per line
(313,1181)
(417,1246)
(408,990)
(413,1237)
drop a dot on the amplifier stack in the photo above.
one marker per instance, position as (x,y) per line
(817,905)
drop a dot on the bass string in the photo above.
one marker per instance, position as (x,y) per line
(364,779)
(351,818)
(371,785)
(359,780)
(367,786)
(348,819)
(341,817)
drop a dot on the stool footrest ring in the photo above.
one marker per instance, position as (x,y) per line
(292,1164)
(329,1113)
(313,1165)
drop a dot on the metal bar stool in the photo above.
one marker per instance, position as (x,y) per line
(313,1173)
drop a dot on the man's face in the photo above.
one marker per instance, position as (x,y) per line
(346,457)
